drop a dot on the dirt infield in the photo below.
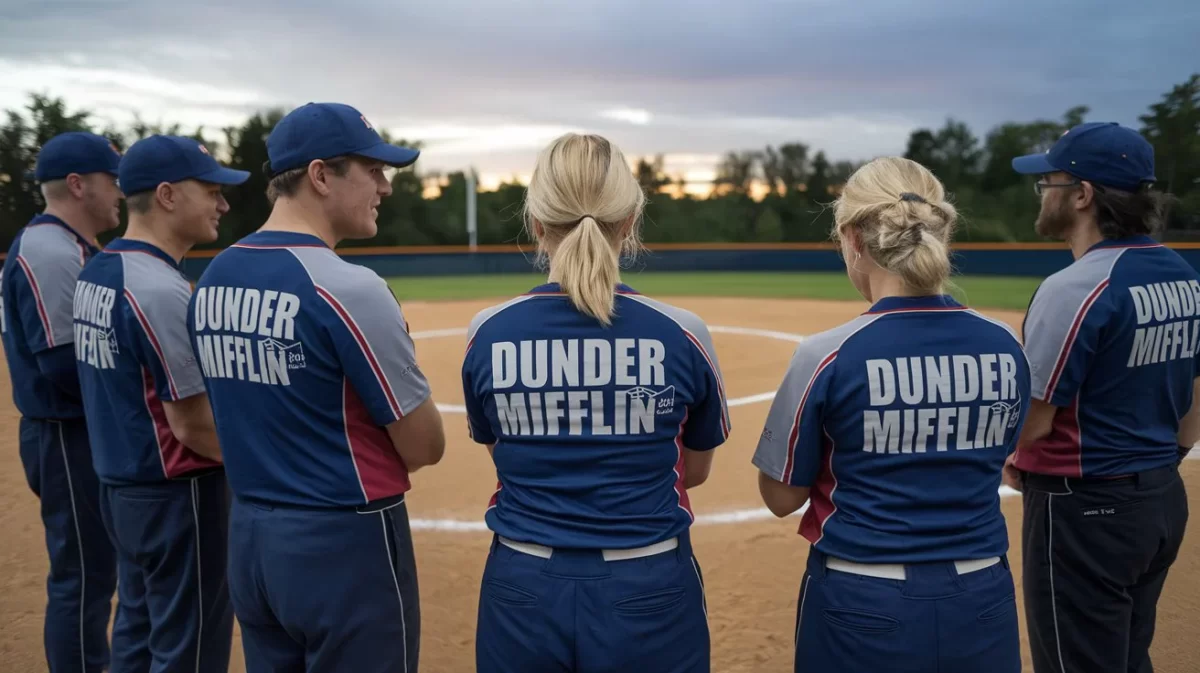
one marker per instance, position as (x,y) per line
(752,563)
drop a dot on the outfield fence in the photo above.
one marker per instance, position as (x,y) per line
(1002,259)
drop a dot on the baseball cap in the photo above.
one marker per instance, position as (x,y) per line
(1105,153)
(76,152)
(326,130)
(159,158)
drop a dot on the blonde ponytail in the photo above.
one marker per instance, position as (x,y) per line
(582,206)
(586,266)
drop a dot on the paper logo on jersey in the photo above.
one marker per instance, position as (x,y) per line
(1013,411)
(664,400)
(294,352)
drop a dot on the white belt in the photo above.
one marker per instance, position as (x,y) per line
(609,554)
(895,571)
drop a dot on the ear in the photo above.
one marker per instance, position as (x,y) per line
(318,175)
(166,196)
(1085,196)
(76,185)
(538,229)
(626,228)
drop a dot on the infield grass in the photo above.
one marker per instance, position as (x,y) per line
(998,292)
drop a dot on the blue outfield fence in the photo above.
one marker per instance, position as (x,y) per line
(1034,260)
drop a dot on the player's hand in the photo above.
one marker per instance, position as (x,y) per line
(1012,476)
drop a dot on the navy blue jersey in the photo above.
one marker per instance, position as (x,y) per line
(133,353)
(37,288)
(1112,342)
(306,357)
(900,422)
(590,423)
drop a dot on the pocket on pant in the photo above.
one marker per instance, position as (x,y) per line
(651,601)
(511,594)
(860,620)
(1004,609)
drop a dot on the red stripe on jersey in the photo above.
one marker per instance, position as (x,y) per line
(177,459)
(927,309)
(788,466)
(37,298)
(681,493)
(720,386)
(251,246)
(1064,353)
(162,360)
(381,472)
(821,508)
(348,320)
(1060,452)
(496,495)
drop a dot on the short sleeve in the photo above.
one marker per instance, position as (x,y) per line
(45,290)
(789,448)
(377,353)
(1062,332)
(159,315)
(479,427)
(707,425)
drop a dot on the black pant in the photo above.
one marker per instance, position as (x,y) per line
(1096,554)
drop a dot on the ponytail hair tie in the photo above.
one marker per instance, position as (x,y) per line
(582,218)
(909,196)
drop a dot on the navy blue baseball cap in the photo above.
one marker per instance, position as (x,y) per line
(156,159)
(1105,153)
(327,130)
(76,152)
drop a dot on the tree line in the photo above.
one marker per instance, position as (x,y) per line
(774,194)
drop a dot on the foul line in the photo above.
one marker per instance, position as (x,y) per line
(716,518)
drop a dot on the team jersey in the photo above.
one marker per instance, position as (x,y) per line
(307,358)
(590,422)
(1112,343)
(133,354)
(37,287)
(900,421)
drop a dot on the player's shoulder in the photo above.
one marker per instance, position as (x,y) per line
(49,243)
(688,322)
(989,326)
(332,274)
(496,316)
(1082,281)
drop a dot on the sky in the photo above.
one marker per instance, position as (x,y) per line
(486,84)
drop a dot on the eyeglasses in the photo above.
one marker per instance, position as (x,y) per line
(1039,186)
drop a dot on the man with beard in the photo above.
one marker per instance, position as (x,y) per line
(77,172)
(1112,345)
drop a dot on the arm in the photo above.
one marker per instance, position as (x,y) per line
(1189,425)
(791,445)
(419,436)
(58,365)
(696,467)
(707,423)
(1038,423)
(191,422)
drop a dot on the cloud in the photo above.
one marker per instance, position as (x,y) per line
(488,84)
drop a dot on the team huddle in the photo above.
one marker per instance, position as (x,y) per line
(240,447)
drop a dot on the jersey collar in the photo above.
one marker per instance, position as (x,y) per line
(281,239)
(936,302)
(1139,241)
(555,288)
(46,218)
(127,245)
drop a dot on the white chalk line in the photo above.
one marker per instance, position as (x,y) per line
(716,518)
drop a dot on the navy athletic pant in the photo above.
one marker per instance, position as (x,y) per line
(174,612)
(1096,555)
(576,612)
(324,591)
(933,620)
(83,566)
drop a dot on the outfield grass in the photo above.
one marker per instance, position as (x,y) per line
(1001,292)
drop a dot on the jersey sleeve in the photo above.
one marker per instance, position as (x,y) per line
(373,345)
(159,315)
(1062,333)
(45,292)
(789,448)
(707,425)
(479,428)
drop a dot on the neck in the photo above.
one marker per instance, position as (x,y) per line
(1082,236)
(293,216)
(78,221)
(141,229)
(883,285)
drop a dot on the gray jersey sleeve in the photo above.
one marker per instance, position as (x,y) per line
(51,259)
(370,334)
(158,297)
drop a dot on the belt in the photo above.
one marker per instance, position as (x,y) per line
(609,554)
(895,571)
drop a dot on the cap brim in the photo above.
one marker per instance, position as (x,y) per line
(225,176)
(1033,164)
(392,155)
